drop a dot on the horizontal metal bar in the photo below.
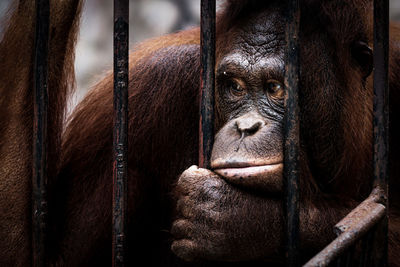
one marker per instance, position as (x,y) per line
(351,229)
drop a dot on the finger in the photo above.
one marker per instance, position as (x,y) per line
(185,249)
(194,175)
(185,207)
(182,229)
(211,189)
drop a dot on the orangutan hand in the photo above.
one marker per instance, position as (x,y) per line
(217,221)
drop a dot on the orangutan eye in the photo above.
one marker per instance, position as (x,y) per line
(363,54)
(275,89)
(235,88)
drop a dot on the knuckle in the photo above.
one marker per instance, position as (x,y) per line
(184,249)
(214,182)
(212,191)
(193,168)
(186,208)
(210,211)
(180,205)
(195,178)
(188,177)
(180,228)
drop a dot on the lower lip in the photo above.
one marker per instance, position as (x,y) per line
(268,177)
(248,171)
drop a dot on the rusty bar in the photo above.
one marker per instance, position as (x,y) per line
(207,81)
(351,229)
(120,150)
(39,168)
(291,129)
(381,116)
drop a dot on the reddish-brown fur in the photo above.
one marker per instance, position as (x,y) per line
(16,116)
(164,80)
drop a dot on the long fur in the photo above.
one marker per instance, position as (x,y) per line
(163,97)
(16,115)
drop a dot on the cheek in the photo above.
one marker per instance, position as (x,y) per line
(272,108)
(227,110)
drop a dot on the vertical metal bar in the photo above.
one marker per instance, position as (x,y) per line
(120,165)
(291,137)
(350,256)
(39,175)
(366,248)
(381,114)
(339,262)
(207,82)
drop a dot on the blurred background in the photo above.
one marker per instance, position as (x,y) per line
(148,18)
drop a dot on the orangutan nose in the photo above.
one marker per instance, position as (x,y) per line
(248,125)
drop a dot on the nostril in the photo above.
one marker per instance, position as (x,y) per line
(253,129)
(246,128)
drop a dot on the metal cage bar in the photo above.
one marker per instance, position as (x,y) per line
(120,164)
(350,230)
(39,168)
(291,132)
(207,81)
(381,121)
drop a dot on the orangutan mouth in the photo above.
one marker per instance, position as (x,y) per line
(263,176)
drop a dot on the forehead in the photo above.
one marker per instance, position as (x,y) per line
(258,40)
(260,32)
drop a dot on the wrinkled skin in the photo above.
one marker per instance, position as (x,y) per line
(209,224)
